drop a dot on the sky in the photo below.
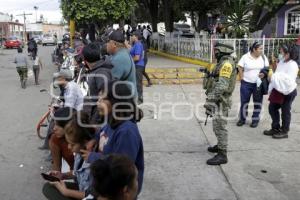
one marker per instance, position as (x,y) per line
(48,8)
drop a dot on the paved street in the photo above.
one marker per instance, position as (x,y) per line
(175,141)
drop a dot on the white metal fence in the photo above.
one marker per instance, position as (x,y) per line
(200,48)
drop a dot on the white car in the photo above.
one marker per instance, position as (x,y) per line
(48,39)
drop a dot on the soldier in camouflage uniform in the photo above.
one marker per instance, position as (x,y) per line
(219,84)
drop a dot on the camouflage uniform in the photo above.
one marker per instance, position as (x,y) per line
(219,85)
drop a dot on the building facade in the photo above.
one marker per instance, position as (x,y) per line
(9,28)
(41,29)
(286,23)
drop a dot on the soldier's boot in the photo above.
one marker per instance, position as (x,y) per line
(24,84)
(220,158)
(271,132)
(281,134)
(214,149)
(21,81)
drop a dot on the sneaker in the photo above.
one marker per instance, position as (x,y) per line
(218,159)
(271,132)
(254,124)
(44,147)
(213,149)
(240,123)
(280,135)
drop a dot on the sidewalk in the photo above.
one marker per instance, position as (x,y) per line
(156,61)
(175,152)
(165,71)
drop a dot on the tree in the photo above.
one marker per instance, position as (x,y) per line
(97,12)
(238,17)
(263,11)
(249,16)
(198,10)
(152,9)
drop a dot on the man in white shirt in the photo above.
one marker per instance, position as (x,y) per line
(250,68)
(146,33)
(71,92)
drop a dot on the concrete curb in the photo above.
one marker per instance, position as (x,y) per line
(182,59)
(178,75)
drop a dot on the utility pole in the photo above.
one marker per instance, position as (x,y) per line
(24,27)
(35,8)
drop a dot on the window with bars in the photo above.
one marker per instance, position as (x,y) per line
(293,22)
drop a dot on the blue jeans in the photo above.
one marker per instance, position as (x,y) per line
(246,91)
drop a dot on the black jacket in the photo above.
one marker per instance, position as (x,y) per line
(96,79)
(98,76)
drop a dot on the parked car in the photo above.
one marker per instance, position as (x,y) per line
(37,38)
(48,39)
(13,42)
(182,30)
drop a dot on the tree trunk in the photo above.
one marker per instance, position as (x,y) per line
(121,24)
(202,20)
(133,21)
(153,9)
(92,32)
(194,21)
(268,16)
(257,10)
(168,15)
(258,22)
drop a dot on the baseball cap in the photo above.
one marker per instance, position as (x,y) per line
(117,36)
(65,73)
(137,34)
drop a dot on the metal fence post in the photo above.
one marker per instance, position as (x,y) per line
(264,38)
(158,43)
(211,50)
(178,45)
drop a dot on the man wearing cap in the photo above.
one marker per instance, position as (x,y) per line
(137,53)
(68,58)
(219,85)
(123,65)
(98,76)
(70,92)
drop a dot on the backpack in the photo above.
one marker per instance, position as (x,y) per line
(31,45)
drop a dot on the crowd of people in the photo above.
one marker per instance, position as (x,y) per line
(96,133)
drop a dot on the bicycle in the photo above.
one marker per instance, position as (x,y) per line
(46,120)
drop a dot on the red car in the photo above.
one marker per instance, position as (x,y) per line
(13,42)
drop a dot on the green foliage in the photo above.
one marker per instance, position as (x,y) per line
(97,10)
(238,17)
(269,4)
(246,15)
